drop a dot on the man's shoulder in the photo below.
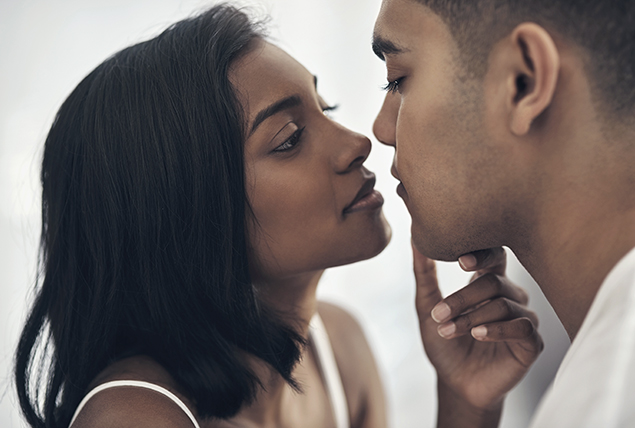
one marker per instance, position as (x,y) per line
(596,380)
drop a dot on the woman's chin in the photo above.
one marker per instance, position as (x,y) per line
(373,243)
(385,239)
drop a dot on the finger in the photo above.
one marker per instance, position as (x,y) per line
(486,287)
(490,260)
(521,337)
(497,310)
(522,332)
(428,293)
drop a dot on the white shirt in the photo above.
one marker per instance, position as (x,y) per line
(595,384)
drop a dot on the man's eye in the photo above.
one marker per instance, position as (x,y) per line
(392,86)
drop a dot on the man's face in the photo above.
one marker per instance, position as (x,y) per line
(452,172)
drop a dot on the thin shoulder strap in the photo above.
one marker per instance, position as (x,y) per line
(137,384)
(331,374)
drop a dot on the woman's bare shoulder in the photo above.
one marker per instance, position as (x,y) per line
(340,324)
(357,366)
(351,349)
(133,406)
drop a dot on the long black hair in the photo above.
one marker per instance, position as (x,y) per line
(144,244)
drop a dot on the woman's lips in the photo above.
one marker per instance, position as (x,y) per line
(367,197)
(370,201)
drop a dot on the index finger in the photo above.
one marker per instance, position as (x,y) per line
(428,293)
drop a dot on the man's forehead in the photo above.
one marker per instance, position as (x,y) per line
(393,12)
(393,27)
(407,25)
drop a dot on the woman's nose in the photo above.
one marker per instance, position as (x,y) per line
(354,152)
(385,125)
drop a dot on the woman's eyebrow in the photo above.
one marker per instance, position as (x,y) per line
(278,106)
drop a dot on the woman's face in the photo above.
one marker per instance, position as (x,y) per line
(312,199)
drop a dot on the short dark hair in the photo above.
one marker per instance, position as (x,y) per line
(144,246)
(605,29)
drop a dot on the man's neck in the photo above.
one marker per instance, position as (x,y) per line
(571,256)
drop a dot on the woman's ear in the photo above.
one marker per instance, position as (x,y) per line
(531,67)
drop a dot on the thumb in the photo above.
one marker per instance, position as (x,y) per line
(428,293)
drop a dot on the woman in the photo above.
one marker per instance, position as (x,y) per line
(193,193)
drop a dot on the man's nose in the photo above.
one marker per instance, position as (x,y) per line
(385,124)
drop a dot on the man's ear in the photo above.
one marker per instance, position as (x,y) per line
(533,64)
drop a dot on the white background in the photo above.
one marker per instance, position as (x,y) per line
(47,47)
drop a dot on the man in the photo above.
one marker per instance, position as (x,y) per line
(514,124)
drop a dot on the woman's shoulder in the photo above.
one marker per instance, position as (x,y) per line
(137,392)
(340,324)
(351,349)
(356,364)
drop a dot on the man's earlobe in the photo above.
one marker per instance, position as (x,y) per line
(536,76)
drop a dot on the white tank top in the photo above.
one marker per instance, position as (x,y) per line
(326,363)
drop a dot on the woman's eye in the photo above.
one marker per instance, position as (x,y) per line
(291,142)
(392,86)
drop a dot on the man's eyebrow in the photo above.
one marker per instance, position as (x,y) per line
(283,104)
(382,46)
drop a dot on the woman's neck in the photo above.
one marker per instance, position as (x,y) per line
(295,299)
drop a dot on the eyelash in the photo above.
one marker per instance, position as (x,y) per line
(291,142)
(392,86)
(328,109)
(294,139)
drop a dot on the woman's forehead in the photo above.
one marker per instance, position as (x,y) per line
(267,73)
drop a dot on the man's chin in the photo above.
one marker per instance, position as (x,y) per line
(432,247)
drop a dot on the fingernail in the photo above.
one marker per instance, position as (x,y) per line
(467,262)
(446,330)
(479,332)
(441,312)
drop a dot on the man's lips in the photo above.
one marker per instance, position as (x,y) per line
(401,190)
(393,171)
(367,198)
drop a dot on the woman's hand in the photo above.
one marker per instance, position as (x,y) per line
(481,339)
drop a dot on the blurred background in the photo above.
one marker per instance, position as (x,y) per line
(48,46)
